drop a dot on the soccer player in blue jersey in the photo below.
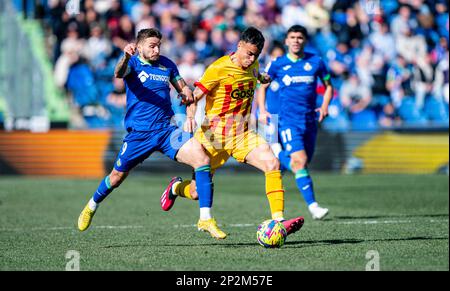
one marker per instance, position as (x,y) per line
(269,92)
(297,73)
(147,76)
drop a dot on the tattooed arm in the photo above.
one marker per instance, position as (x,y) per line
(122,69)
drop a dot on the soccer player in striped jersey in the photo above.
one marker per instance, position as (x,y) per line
(229,85)
(298,72)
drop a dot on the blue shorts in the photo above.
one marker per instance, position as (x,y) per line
(139,145)
(298,137)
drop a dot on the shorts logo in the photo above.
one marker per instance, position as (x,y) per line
(288,147)
(119,163)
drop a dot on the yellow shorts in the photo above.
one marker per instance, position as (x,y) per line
(220,150)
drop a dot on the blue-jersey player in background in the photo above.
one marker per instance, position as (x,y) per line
(147,77)
(297,74)
(272,102)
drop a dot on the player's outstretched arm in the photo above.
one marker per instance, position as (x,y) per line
(122,68)
(190,123)
(198,94)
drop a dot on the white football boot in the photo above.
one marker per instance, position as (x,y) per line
(317,212)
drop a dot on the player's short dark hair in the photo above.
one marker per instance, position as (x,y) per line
(253,36)
(147,33)
(298,28)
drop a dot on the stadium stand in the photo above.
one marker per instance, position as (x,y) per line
(350,37)
(26,83)
(397,51)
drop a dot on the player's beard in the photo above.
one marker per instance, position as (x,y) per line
(154,58)
(148,58)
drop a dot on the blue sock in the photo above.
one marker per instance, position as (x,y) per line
(285,161)
(203,179)
(104,189)
(305,185)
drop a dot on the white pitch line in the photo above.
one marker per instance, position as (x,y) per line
(68,228)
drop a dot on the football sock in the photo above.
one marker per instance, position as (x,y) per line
(203,178)
(103,190)
(305,185)
(205,213)
(183,189)
(275,194)
(92,204)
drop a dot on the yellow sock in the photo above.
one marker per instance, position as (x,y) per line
(275,194)
(184,190)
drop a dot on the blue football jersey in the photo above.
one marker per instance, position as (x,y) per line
(297,85)
(272,98)
(148,94)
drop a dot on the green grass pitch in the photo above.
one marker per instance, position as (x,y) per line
(403,218)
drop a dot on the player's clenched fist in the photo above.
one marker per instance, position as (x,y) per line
(130,49)
(186,96)
(264,78)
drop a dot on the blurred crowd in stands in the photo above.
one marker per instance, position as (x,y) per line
(389,59)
